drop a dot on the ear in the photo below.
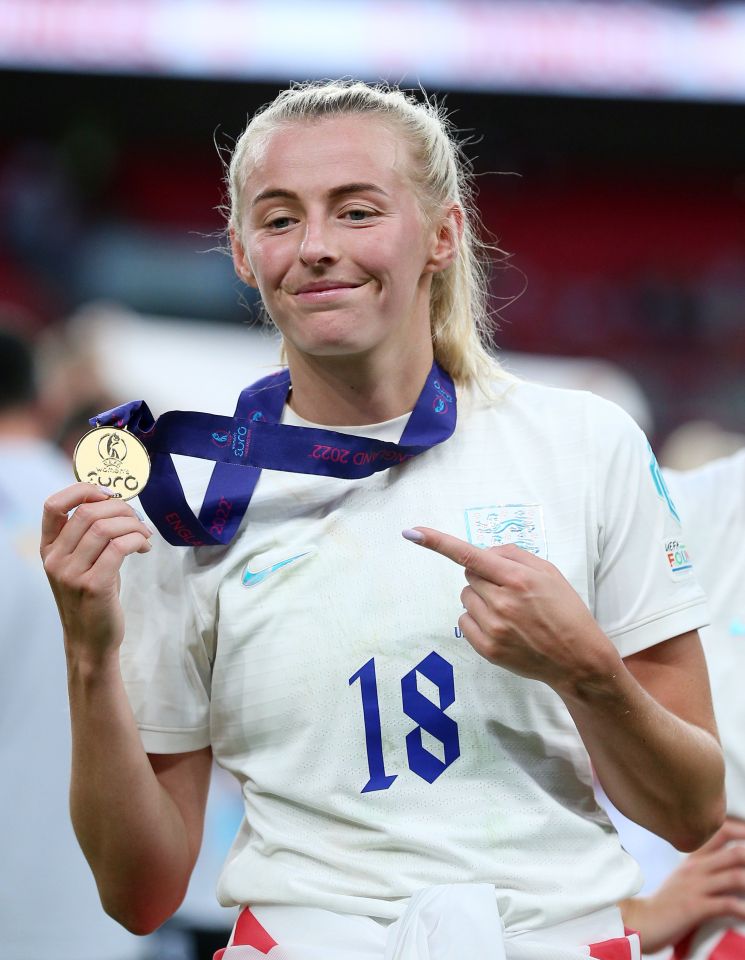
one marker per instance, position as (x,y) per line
(240,260)
(449,231)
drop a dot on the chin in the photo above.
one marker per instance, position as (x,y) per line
(330,343)
(333,349)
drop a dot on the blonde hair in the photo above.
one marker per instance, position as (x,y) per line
(459,317)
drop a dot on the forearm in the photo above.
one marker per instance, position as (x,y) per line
(661,771)
(130,829)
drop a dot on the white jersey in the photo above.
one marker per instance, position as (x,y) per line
(711,501)
(319,655)
(49,905)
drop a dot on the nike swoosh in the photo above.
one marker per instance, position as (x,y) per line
(251,579)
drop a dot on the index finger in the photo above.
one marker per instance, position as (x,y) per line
(485,563)
(460,551)
(57,507)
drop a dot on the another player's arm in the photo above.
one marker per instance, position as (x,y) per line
(647,722)
(138,819)
(708,884)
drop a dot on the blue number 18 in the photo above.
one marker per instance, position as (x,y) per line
(429,717)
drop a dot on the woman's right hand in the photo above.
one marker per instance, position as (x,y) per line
(82,553)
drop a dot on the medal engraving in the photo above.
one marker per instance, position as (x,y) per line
(112,458)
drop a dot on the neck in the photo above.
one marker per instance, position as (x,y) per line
(343,391)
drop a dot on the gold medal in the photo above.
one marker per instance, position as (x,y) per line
(112,458)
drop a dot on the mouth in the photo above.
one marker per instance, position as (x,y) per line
(321,290)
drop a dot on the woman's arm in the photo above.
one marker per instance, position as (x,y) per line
(650,731)
(647,723)
(138,819)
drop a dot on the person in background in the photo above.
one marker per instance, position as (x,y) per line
(49,904)
(697,906)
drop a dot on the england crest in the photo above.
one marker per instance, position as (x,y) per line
(518,523)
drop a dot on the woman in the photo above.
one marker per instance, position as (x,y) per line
(408,768)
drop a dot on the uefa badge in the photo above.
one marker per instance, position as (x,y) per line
(112,458)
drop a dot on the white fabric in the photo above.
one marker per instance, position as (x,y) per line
(269,673)
(711,502)
(446,922)
(49,906)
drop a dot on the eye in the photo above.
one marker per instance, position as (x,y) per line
(358,214)
(279,223)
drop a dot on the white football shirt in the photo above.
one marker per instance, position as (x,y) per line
(711,500)
(319,655)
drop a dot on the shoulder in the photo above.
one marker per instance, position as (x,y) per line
(555,408)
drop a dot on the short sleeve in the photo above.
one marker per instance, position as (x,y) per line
(645,588)
(712,504)
(168,650)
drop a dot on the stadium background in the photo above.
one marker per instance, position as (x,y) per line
(617,188)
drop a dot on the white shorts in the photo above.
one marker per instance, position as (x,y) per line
(450,922)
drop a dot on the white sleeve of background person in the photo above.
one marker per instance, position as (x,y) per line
(712,504)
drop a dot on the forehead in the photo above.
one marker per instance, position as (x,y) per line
(311,156)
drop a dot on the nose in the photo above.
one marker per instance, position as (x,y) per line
(317,248)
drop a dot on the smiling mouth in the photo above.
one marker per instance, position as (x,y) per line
(315,293)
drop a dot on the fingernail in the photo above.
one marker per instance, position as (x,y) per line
(414,535)
(109,493)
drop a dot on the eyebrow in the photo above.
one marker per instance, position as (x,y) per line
(335,192)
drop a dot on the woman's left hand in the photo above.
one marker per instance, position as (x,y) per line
(522,614)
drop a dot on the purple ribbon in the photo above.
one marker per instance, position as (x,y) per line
(254,439)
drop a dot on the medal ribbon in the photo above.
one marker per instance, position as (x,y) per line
(254,439)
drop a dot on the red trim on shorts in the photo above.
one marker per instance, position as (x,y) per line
(249,933)
(618,948)
(730,947)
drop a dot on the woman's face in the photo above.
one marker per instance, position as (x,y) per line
(335,240)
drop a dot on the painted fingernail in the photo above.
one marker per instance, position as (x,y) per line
(109,493)
(414,535)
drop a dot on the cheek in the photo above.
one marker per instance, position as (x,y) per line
(393,259)
(268,262)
